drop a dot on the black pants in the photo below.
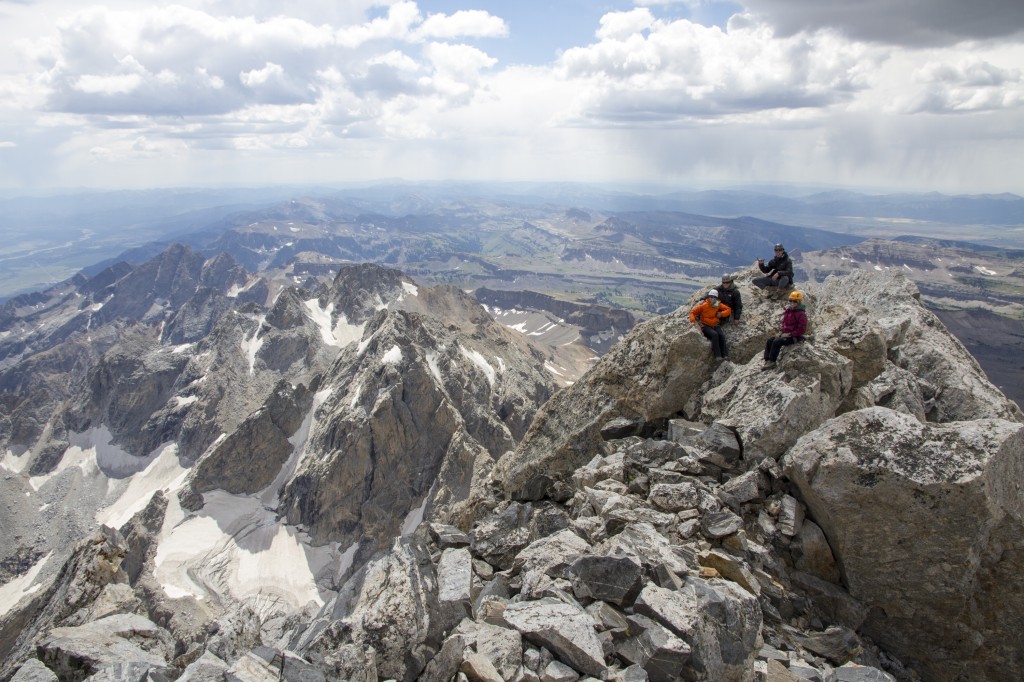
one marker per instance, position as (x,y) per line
(763,282)
(717,338)
(774,345)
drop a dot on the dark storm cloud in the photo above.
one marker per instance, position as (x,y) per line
(898,22)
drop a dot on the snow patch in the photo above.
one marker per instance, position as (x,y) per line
(411,288)
(12,592)
(434,369)
(477,359)
(393,356)
(93,453)
(163,473)
(14,463)
(178,350)
(345,333)
(984,270)
(414,518)
(251,346)
(234,546)
(184,401)
(322,318)
(235,290)
(347,558)
(554,370)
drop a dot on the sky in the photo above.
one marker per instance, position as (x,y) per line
(881,95)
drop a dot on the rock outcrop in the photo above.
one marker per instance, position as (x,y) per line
(878,377)
(867,330)
(926,522)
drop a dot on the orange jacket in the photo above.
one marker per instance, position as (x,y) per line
(705,313)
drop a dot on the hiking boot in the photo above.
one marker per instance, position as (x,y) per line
(768,364)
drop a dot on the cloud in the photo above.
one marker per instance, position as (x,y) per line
(463,24)
(182,62)
(365,88)
(643,70)
(398,24)
(897,22)
(968,86)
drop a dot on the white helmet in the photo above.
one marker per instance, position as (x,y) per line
(713,292)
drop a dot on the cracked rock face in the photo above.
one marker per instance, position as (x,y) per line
(949,499)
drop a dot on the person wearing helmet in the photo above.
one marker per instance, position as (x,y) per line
(779,270)
(730,296)
(793,328)
(707,316)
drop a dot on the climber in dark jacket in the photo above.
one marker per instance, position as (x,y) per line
(779,270)
(792,330)
(730,296)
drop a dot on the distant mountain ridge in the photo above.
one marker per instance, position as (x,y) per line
(58,234)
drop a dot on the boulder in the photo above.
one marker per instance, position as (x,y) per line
(565,630)
(386,618)
(651,646)
(33,670)
(769,411)
(122,640)
(612,579)
(880,482)
(206,668)
(719,623)
(455,585)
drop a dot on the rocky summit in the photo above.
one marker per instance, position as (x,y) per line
(365,479)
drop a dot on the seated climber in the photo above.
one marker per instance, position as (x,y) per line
(730,296)
(793,328)
(707,316)
(779,270)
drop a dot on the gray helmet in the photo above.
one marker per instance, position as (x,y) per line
(726,279)
(780,247)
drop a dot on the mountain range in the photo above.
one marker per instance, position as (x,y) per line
(641,254)
(330,471)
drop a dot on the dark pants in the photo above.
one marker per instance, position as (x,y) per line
(763,282)
(774,345)
(717,338)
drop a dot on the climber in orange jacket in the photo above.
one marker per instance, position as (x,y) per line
(707,316)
